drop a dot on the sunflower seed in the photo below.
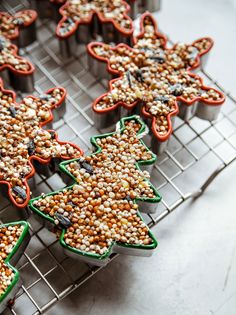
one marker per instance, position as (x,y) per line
(64,222)
(128,75)
(2,44)
(138,75)
(160,57)
(162,98)
(44,97)
(176,89)
(87,167)
(31,147)
(12,111)
(19,191)
(18,21)
(52,133)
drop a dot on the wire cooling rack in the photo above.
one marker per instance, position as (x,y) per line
(197,152)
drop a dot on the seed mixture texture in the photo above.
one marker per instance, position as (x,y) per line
(100,208)
(23,139)
(155,76)
(10,24)
(9,30)
(75,12)
(9,236)
(9,58)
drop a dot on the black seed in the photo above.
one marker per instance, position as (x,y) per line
(70,20)
(44,97)
(19,191)
(12,111)
(162,98)
(128,198)
(138,75)
(64,222)
(146,49)
(31,147)
(87,167)
(71,203)
(18,21)
(128,75)
(191,80)
(2,45)
(176,89)
(160,57)
(52,133)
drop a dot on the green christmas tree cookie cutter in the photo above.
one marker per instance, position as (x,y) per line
(115,247)
(11,259)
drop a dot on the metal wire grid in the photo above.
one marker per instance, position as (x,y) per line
(197,152)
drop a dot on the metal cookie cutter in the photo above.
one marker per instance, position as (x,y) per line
(48,8)
(144,202)
(12,258)
(141,6)
(158,99)
(18,29)
(35,146)
(76,27)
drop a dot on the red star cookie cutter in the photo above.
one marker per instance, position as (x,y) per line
(24,141)
(155,80)
(20,29)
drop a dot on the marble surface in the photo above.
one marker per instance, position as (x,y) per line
(193,272)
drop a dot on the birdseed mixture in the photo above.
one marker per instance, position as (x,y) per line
(100,208)
(9,236)
(153,75)
(22,137)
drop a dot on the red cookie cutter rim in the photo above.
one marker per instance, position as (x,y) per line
(10,67)
(89,20)
(16,34)
(178,98)
(194,66)
(42,161)
(59,2)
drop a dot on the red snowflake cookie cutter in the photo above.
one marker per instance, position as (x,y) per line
(23,140)
(150,47)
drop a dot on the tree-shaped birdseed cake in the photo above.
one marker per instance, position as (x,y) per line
(19,29)
(14,238)
(23,140)
(75,13)
(99,214)
(154,76)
